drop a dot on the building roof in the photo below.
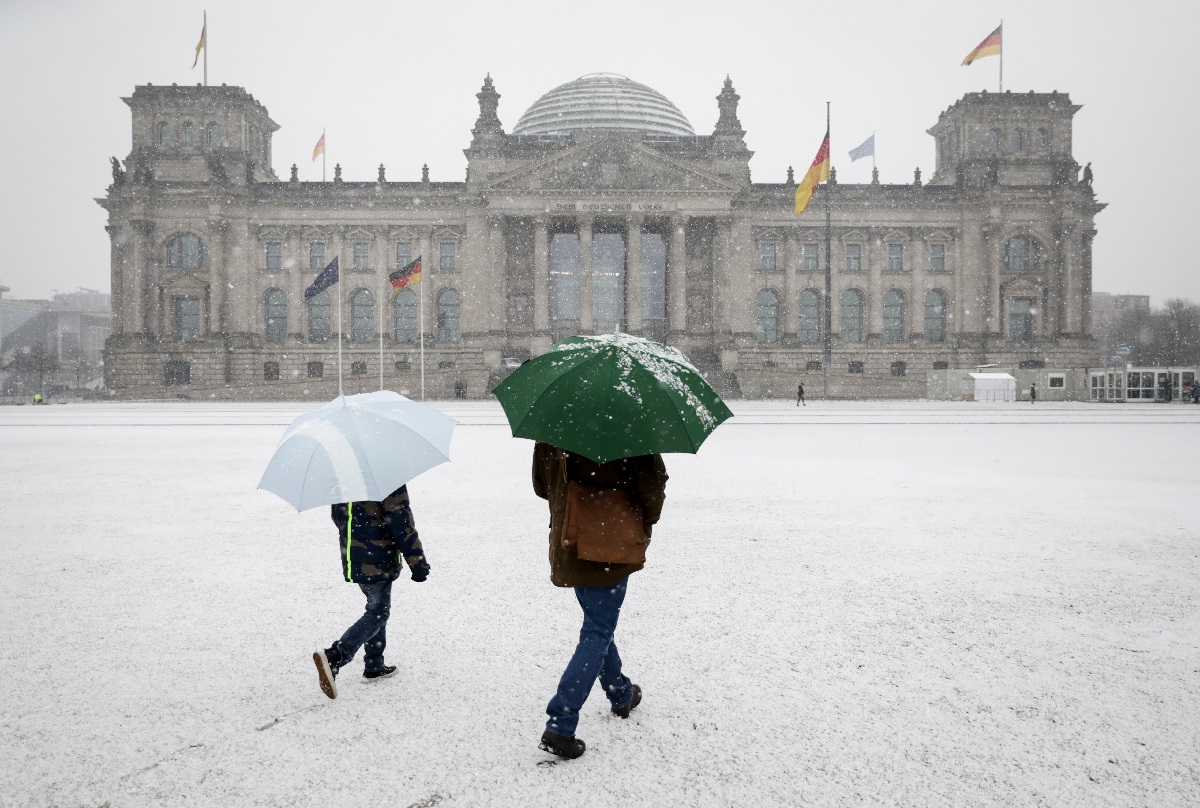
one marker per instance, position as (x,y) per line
(602,101)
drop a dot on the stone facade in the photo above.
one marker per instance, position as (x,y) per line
(585,231)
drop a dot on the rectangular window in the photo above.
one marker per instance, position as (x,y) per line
(358,368)
(448,255)
(855,367)
(274,255)
(362,255)
(187,318)
(316,255)
(941,365)
(895,257)
(937,257)
(812,365)
(810,257)
(271,371)
(1058,380)
(853,257)
(176,372)
(767,252)
(403,255)
(1020,320)
(899,368)
(316,370)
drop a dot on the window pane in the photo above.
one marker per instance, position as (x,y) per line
(403,255)
(316,255)
(164,134)
(189,134)
(895,257)
(937,257)
(654,279)
(767,318)
(320,319)
(362,255)
(852,314)
(810,313)
(1020,319)
(766,256)
(187,318)
(214,135)
(608,282)
(811,257)
(564,282)
(854,257)
(274,255)
(449,310)
(276,316)
(994,140)
(362,316)
(893,316)
(935,316)
(447,255)
(405,313)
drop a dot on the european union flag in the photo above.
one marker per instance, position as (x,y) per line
(867,149)
(327,278)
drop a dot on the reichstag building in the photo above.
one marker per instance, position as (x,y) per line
(601,209)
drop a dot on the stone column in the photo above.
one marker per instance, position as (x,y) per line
(298,279)
(541,277)
(1085,285)
(877,256)
(725,292)
(425,287)
(218,320)
(498,271)
(117,273)
(586,320)
(916,293)
(677,278)
(143,256)
(992,262)
(790,287)
(633,275)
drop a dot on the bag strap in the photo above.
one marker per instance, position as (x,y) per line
(562,462)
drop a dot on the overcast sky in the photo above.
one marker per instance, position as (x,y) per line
(395,82)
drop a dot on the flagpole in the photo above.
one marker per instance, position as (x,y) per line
(828,259)
(421,330)
(381,344)
(341,392)
(1001,54)
(205,47)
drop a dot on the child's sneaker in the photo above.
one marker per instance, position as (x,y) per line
(382,673)
(327,669)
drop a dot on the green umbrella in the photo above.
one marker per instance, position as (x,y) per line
(611,396)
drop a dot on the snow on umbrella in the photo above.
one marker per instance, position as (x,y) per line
(357,449)
(611,396)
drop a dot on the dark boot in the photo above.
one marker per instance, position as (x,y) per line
(633,702)
(328,662)
(382,673)
(564,746)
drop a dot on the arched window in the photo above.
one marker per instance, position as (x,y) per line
(362,316)
(993,140)
(935,316)
(852,316)
(1041,140)
(1018,140)
(189,134)
(404,310)
(214,135)
(1022,253)
(893,316)
(164,134)
(276,305)
(767,316)
(810,316)
(187,252)
(320,319)
(449,316)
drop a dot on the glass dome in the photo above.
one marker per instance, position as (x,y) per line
(602,101)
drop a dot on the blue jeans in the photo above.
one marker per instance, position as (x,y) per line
(595,656)
(370,630)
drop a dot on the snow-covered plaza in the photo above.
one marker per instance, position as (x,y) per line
(911,603)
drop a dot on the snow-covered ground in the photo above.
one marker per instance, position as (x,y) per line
(845,604)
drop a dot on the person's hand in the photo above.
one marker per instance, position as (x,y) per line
(421,571)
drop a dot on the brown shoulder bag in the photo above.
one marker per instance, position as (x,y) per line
(602,524)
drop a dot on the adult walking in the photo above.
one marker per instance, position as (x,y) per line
(374,536)
(1032,393)
(599,587)
(800,394)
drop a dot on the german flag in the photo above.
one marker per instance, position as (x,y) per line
(410,273)
(817,173)
(202,44)
(988,47)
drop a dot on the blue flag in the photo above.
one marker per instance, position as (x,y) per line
(867,149)
(327,278)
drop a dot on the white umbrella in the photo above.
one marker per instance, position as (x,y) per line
(357,449)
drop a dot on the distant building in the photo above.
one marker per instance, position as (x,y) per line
(601,209)
(1108,311)
(53,346)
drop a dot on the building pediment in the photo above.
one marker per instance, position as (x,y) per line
(609,165)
